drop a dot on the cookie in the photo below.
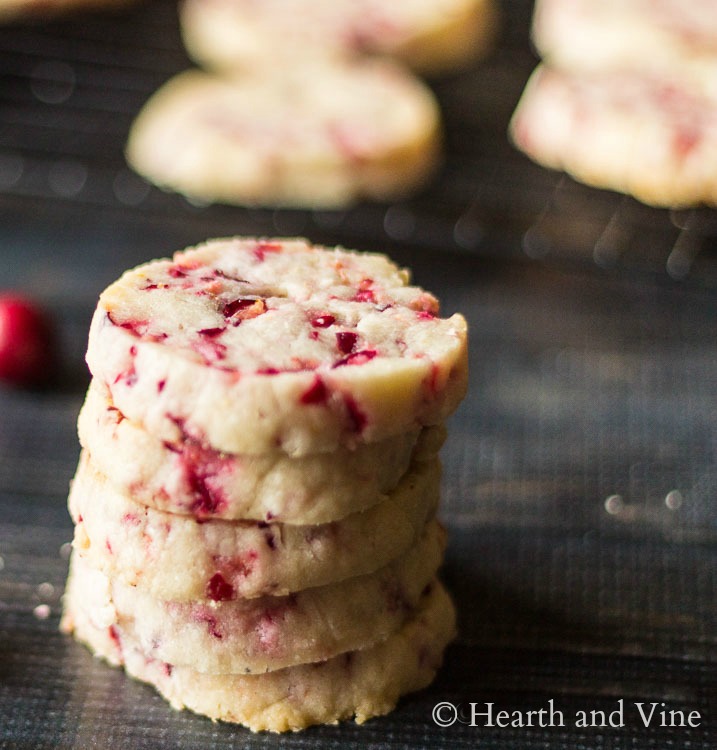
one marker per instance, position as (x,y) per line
(267,633)
(254,346)
(669,38)
(190,478)
(430,36)
(307,136)
(360,684)
(630,132)
(180,558)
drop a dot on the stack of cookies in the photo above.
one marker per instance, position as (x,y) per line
(626,97)
(305,103)
(255,503)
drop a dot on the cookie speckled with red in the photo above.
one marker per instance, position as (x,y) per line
(216,635)
(175,557)
(252,345)
(190,478)
(358,684)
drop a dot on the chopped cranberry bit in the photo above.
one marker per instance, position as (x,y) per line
(357,358)
(316,393)
(129,377)
(243,309)
(425,315)
(211,350)
(168,669)
(267,371)
(200,467)
(203,615)
(176,272)
(685,140)
(211,333)
(149,286)
(365,295)
(357,419)
(346,341)
(218,590)
(115,636)
(240,566)
(262,248)
(135,327)
(160,385)
(323,321)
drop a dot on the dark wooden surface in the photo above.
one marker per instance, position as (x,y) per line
(580,485)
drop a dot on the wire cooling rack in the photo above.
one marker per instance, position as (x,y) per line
(70,89)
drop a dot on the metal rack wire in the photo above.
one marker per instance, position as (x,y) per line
(70,88)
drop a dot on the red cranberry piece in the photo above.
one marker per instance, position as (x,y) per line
(218,590)
(27,355)
(262,248)
(357,419)
(243,309)
(316,393)
(323,321)
(211,333)
(357,358)
(346,341)
(365,295)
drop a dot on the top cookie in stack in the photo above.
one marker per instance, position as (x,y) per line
(259,481)
(626,97)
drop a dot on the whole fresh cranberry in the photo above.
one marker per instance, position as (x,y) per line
(26,342)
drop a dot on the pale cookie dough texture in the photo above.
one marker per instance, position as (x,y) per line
(625,131)
(432,36)
(181,558)
(360,684)
(246,636)
(188,477)
(253,346)
(309,136)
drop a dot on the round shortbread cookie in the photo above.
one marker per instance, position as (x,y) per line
(267,633)
(310,136)
(180,558)
(669,37)
(360,684)
(189,478)
(636,134)
(430,36)
(253,346)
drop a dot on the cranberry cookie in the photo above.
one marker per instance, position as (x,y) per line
(190,478)
(244,636)
(647,136)
(309,136)
(181,558)
(255,346)
(359,684)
